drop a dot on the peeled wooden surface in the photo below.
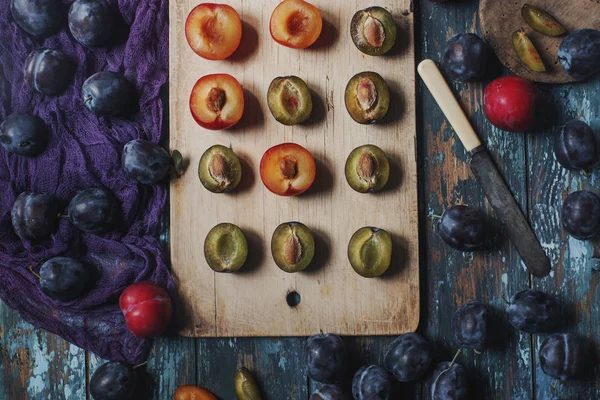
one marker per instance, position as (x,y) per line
(333,297)
(500,18)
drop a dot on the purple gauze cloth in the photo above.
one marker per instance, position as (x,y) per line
(84,152)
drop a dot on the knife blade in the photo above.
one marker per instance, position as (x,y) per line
(486,173)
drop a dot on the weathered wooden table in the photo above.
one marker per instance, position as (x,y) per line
(38,365)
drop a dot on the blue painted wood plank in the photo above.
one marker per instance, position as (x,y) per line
(276,363)
(37,365)
(453,278)
(572,279)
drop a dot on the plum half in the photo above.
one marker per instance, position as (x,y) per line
(289,100)
(220,170)
(367,169)
(367,97)
(217,101)
(213,31)
(296,24)
(370,252)
(225,248)
(292,246)
(373,31)
(288,169)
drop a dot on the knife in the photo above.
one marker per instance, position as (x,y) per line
(487,174)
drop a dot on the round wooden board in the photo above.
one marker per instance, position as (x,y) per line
(500,18)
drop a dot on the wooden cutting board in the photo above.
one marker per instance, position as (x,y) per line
(500,18)
(333,297)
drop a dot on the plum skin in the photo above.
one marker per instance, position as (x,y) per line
(146,162)
(64,278)
(449,382)
(371,382)
(408,357)
(466,57)
(469,325)
(580,215)
(91,22)
(579,53)
(533,311)
(94,210)
(330,392)
(24,134)
(575,146)
(39,18)
(108,93)
(565,356)
(113,381)
(464,228)
(326,358)
(34,216)
(48,71)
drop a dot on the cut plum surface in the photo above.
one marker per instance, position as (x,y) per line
(217,101)
(288,169)
(213,31)
(296,24)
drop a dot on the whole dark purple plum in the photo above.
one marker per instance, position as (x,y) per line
(330,392)
(533,311)
(48,71)
(92,21)
(464,228)
(326,358)
(24,134)
(40,18)
(371,382)
(449,382)
(64,278)
(469,325)
(109,93)
(34,216)
(581,215)
(466,57)
(94,210)
(576,146)
(114,381)
(146,162)
(579,53)
(565,357)
(408,357)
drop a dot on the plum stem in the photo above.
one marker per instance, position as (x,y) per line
(35,273)
(140,365)
(88,99)
(435,216)
(476,351)
(553,387)
(504,298)
(580,186)
(454,359)
(584,172)
(322,333)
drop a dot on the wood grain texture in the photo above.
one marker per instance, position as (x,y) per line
(499,19)
(334,298)
(572,280)
(454,278)
(37,365)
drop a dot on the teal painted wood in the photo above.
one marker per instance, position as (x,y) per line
(37,365)
(572,279)
(453,278)
(276,364)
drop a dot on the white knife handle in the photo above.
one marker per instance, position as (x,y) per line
(442,94)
